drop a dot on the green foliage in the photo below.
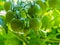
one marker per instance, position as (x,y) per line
(33,23)
(1,8)
(3,24)
(1,40)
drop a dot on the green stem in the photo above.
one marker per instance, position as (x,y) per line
(19,37)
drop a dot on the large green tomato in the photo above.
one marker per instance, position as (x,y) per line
(17,24)
(9,16)
(35,23)
(33,10)
(7,6)
(42,5)
(54,3)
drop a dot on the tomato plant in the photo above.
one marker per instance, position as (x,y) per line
(35,22)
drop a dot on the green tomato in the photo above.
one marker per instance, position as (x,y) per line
(35,23)
(46,21)
(17,24)
(41,4)
(7,6)
(54,3)
(33,10)
(9,16)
